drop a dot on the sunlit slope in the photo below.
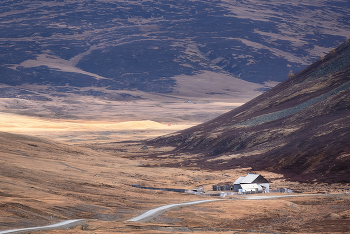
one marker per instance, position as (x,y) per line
(84,131)
(44,182)
(18,123)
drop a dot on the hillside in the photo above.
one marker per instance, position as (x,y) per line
(133,45)
(41,179)
(299,128)
(144,60)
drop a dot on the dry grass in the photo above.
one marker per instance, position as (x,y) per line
(87,131)
(91,176)
(40,178)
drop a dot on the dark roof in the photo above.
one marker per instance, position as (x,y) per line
(225,183)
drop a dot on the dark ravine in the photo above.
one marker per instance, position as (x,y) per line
(299,128)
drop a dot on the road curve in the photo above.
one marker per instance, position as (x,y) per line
(60,225)
(148,214)
(157,211)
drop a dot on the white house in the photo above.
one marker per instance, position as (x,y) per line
(251,182)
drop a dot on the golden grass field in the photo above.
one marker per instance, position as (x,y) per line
(87,131)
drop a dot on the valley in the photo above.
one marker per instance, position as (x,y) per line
(102,100)
(42,178)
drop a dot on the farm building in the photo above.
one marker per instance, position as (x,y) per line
(223,186)
(251,183)
(248,183)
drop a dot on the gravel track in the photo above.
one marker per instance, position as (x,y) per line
(162,209)
(61,225)
(159,210)
(148,214)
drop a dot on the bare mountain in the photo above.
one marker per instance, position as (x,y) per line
(73,59)
(145,45)
(300,127)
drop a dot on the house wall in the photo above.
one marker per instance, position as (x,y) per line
(249,189)
(266,185)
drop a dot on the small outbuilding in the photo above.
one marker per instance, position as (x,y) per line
(223,186)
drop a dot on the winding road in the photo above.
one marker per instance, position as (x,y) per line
(149,214)
(156,211)
(61,225)
(159,210)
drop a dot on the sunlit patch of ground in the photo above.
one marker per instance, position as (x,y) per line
(84,130)
(76,118)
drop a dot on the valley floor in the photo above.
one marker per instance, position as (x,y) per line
(42,178)
(78,168)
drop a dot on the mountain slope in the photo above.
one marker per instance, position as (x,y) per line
(144,45)
(73,59)
(300,127)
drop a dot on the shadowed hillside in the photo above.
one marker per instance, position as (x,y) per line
(145,45)
(300,127)
(76,59)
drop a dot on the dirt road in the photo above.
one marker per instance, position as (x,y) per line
(61,225)
(150,213)
(157,211)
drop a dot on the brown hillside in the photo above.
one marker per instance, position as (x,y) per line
(300,127)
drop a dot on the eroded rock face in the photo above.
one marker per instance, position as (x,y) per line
(300,127)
